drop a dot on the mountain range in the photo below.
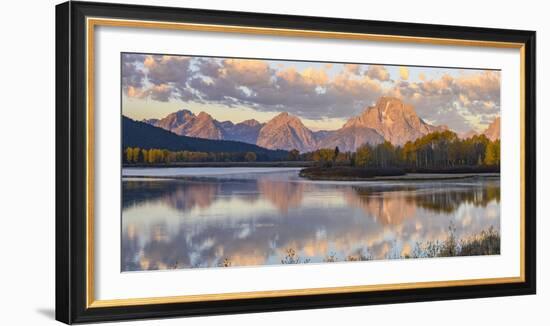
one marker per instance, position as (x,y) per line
(388,120)
(185,123)
(143,135)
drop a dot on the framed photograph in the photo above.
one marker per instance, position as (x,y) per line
(212,162)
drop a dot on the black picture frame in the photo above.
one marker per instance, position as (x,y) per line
(71,157)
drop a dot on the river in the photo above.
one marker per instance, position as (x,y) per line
(214,217)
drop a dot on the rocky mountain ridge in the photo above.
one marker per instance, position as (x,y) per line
(389,119)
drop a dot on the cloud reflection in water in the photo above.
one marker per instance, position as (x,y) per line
(253,220)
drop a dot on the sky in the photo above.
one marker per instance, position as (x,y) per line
(324,95)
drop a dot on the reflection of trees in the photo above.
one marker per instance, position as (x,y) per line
(185,195)
(181,195)
(391,206)
(138,192)
(445,201)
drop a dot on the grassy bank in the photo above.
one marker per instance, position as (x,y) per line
(486,242)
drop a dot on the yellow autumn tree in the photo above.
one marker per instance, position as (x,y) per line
(362,156)
(250,156)
(492,153)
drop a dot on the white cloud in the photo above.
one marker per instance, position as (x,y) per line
(456,100)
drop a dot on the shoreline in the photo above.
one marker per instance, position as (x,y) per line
(400,174)
(412,177)
(282,164)
(401,177)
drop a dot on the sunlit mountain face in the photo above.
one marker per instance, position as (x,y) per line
(389,120)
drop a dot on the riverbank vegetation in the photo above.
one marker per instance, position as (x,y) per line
(136,155)
(438,150)
(486,242)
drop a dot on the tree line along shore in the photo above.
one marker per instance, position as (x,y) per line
(438,152)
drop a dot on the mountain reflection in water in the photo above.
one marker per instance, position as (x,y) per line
(254,219)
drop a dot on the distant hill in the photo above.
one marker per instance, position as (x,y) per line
(144,135)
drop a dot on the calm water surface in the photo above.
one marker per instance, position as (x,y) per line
(207,217)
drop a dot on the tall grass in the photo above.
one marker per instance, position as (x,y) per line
(293,258)
(486,242)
